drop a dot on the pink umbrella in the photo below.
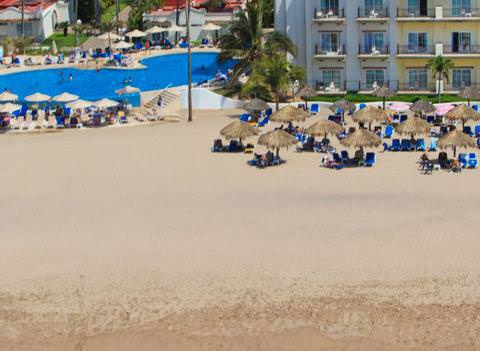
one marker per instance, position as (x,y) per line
(442,109)
(399,106)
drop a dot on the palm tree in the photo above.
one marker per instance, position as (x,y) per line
(270,78)
(440,67)
(108,27)
(244,40)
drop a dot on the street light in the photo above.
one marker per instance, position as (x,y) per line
(79,23)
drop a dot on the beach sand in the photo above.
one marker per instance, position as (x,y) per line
(141,239)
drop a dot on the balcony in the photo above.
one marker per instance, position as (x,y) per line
(366,52)
(369,88)
(466,51)
(416,88)
(415,15)
(330,88)
(368,15)
(329,15)
(337,52)
(409,51)
(459,14)
(455,88)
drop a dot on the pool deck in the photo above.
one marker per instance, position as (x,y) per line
(92,64)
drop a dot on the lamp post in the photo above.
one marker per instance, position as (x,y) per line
(79,23)
(189,53)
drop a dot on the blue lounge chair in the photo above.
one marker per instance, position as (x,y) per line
(396,146)
(405,145)
(389,131)
(369,159)
(264,122)
(472,160)
(463,159)
(337,158)
(345,156)
(362,106)
(420,145)
(431,119)
(403,118)
(477,131)
(60,122)
(468,130)
(123,119)
(396,118)
(433,145)
(475,107)
(314,108)
(245,117)
(386,147)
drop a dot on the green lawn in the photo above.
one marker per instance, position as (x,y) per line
(63,41)
(109,13)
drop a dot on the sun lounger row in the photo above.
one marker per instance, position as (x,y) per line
(409,145)
(266,160)
(343,160)
(234,146)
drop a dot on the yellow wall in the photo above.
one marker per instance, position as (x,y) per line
(403,4)
(438,32)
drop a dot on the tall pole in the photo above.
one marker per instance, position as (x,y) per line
(23,19)
(189,50)
(117,11)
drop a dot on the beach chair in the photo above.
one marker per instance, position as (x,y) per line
(477,131)
(396,145)
(420,145)
(389,131)
(475,107)
(472,160)
(463,159)
(362,106)
(314,108)
(396,118)
(468,130)
(405,145)
(52,122)
(369,159)
(19,122)
(403,118)
(345,156)
(433,145)
(28,121)
(431,119)
(60,122)
(269,112)
(245,117)
(264,121)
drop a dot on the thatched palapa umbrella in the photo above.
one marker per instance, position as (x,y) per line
(422,106)
(370,114)
(413,126)
(289,114)
(456,139)
(345,106)
(470,93)
(305,93)
(361,138)
(462,113)
(256,105)
(277,139)
(384,93)
(238,130)
(324,128)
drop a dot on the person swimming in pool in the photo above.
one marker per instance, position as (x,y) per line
(70,77)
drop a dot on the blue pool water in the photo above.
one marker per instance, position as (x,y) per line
(160,72)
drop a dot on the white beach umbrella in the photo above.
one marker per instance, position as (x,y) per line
(113,36)
(8,96)
(54,47)
(65,97)
(9,108)
(127,90)
(136,34)
(156,29)
(211,27)
(105,103)
(37,97)
(80,104)
(122,45)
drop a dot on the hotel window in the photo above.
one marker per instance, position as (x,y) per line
(375,76)
(418,7)
(28,29)
(461,7)
(418,42)
(373,5)
(461,78)
(329,5)
(373,40)
(417,79)
(461,42)
(330,42)
(330,76)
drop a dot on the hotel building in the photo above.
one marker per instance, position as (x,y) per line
(357,45)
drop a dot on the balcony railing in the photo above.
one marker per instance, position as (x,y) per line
(331,87)
(461,49)
(415,50)
(373,12)
(461,12)
(459,86)
(416,12)
(326,13)
(362,86)
(372,50)
(334,51)
(416,86)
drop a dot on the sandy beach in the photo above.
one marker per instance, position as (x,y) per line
(140,238)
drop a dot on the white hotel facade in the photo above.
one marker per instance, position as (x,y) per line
(357,45)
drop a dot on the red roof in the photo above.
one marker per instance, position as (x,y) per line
(30,5)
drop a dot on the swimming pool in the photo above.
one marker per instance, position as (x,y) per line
(160,72)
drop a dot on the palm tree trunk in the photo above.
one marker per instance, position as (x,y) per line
(23,19)
(189,52)
(117,13)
